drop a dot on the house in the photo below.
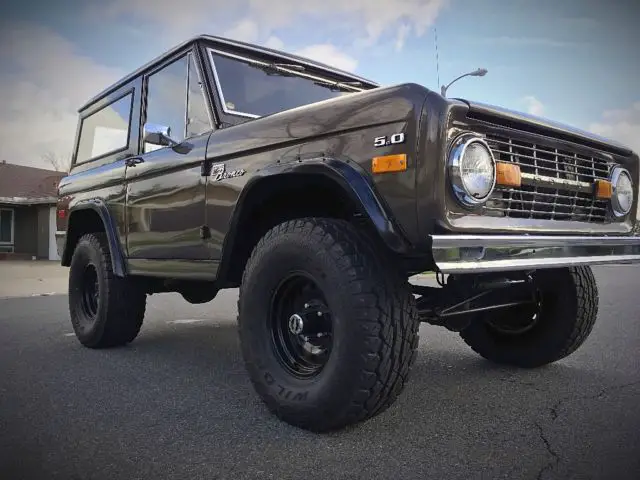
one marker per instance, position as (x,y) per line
(28,199)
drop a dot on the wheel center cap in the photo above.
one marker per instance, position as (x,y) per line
(296,324)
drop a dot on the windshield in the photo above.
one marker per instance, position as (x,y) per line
(255,89)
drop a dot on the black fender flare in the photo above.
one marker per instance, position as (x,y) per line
(118,263)
(348,175)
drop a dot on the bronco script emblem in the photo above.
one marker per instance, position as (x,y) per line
(218,172)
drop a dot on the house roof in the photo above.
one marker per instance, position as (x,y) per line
(22,185)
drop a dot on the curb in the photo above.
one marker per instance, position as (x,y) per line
(30,295)
(425,275)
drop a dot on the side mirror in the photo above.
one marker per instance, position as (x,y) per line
(158,135)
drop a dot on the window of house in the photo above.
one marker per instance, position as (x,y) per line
(6,226)
(175,99)
(105,131)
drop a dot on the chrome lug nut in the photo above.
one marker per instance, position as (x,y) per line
(296,324)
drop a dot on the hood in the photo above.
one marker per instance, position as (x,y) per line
(478,109)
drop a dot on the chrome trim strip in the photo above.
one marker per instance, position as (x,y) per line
(555,182)
(460,145)
(521,226)
(495,253)
(616,208)
(186,97)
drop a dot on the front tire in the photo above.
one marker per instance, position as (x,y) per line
(106,310)
(562,321)
(328,327)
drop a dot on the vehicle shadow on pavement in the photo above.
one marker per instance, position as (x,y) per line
(178,399)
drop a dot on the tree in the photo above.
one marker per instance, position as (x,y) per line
(58,162)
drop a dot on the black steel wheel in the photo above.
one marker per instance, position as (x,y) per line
(105,310)
(328,327)
(300,325)
(90,292)
(516,320)
(545,331)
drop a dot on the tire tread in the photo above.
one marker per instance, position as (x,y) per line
(579,328)
(387,317)
(126,302)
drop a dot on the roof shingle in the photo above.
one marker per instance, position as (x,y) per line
(19,181)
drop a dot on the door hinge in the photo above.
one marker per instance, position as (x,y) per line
(205,232)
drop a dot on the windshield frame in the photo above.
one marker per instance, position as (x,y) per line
(342,84)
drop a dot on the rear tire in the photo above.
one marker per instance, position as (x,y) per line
(565,318)
(368,325)
(106,310)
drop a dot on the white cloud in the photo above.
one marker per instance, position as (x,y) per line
(330,55)
(43,84)
(246,30)
(274,42)
(622,125)
(46,79)
(534,106)
(362,21)
(401,37)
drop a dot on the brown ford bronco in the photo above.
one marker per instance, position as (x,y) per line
(320,194)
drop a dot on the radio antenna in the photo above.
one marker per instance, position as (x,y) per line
(435,31)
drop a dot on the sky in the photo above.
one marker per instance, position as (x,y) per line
(575,61)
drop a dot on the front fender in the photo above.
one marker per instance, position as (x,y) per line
(347,174)
(75,230)
(355,182)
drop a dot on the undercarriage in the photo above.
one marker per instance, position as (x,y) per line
(459,299)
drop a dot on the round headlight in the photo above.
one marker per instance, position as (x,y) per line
(622,198)
(473,170)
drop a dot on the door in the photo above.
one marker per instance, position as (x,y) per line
(165,201)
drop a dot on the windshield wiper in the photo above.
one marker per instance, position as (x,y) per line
(339,86)
(350,84)
(279,68)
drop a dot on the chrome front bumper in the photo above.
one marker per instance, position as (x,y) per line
(495,253)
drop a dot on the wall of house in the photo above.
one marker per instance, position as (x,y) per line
(43,232)
(33,232)
(25,239)
(53,246)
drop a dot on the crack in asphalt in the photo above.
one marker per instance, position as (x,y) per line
(556,458)
(602,393)
(554,410)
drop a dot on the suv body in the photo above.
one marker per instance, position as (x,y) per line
(223,164)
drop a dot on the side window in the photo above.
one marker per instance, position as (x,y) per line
(105,131)
(166,100)
(198,122)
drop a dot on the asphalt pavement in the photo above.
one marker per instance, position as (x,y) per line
(177,404)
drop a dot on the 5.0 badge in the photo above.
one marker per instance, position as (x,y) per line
(384,141)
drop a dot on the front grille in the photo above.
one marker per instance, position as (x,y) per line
(559,183)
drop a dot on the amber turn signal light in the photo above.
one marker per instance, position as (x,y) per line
(389,163)
(604,189)
(508,174)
